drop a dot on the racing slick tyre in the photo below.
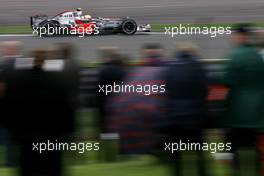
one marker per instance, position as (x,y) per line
(129,27)
(49,28)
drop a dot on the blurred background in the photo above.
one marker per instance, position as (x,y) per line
(214,90)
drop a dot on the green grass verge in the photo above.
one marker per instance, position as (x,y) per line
(146,166)
(127,168)
(25,29)
(161,27)
(21,29)
(7,172)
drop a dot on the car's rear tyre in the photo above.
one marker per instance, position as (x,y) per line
(49,28)
(129,27)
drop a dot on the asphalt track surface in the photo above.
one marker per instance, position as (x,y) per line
(86,47)
(145,11)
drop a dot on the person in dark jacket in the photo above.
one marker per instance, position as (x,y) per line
(112,71)
(40,99)
(10,51)
(186,93)
(69,73)
(245,107)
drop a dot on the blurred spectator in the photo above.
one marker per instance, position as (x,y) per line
(105,53)
(260,43)
(244,77)
(152,54)
(186,93)
(39,99)
(111,71)
(70,77)
(10,50)
(137,115)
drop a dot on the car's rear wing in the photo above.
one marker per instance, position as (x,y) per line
(37,19)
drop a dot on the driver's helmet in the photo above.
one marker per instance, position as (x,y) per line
(79,11)
(87,17)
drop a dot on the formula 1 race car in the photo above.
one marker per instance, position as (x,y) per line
(73,22)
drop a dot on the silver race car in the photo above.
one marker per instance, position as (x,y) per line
(73,22)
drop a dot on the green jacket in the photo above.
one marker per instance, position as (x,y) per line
(245,78)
